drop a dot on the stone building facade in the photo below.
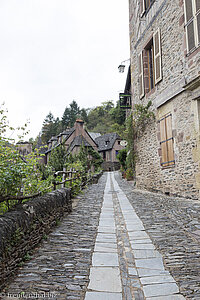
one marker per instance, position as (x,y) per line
(72,139)
(165,68)
(109,146)
(24,148)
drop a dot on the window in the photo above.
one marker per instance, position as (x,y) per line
(104,155)
(150,72)
(192,24)
(145,5)
(167,142)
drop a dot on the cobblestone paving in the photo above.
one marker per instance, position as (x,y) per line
(61,264)
(174,227)
(143,274)
(62,267)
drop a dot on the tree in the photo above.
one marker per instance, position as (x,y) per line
(70,115)
(50,127)
(19,178)
(102,118)
(117,114)
(57,158)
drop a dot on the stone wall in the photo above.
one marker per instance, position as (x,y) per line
(23,228)
(177,93)
(180,179)
(110,166)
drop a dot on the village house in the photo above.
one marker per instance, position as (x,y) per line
(72,139)
(165,68)
(24,148)
(109,145)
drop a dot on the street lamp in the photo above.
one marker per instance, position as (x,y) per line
(122,65)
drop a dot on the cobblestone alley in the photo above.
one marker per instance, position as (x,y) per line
(118,243)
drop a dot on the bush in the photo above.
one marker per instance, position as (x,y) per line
(121,156)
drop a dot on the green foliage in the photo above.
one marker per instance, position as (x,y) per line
(106,118)
(141,117)
(96,160)
(121,156)
(129,174)
(135,126)
(18,176)
(70,114)
(57,158)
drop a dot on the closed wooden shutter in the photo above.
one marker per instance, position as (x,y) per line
(167,143)
(170,142)
(142,7)
(141,75)
(157,56)
(163,143)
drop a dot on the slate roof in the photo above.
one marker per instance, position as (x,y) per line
(94,135)
(68,131)
(78,141)
(106,141)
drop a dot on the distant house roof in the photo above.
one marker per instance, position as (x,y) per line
(78,141)
(24,143)
(53,138)
(106,141)
(94,135)
(67,133)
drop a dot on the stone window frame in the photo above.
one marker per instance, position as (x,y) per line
(144,64)
(192,21)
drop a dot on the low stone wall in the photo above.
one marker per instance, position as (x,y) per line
(96,177)
(23,228)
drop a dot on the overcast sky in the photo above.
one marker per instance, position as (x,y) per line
(55,51)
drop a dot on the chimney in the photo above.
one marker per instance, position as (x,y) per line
(79,130)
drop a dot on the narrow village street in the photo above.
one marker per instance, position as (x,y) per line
(118,243)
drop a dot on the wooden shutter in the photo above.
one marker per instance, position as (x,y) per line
(157,56)
(142,7)
(141,75)
(163,143)
(170,142)
(167,143)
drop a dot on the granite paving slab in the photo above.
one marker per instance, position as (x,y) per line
(171,297)
(105,259)
(106,279)
(146,253)
(102,296)
(101,248)
(164,289)
(135,246)
(106,229)
(156,279)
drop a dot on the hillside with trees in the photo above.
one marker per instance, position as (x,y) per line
(104,118)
